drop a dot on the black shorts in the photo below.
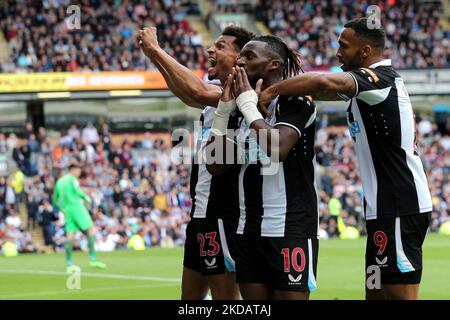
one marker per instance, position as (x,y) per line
(394,245)
(287,263)
(210,246)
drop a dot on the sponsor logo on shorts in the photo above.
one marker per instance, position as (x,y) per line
(212,264)
(381,263)
(293,280)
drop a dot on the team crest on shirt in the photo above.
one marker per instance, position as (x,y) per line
(250,150)
(203,134)
(254,152)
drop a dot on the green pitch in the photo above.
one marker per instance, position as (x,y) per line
(155,273)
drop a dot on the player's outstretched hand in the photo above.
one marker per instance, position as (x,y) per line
(148,40)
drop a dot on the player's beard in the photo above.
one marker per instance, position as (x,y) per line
(218,73)
(212,75)
(354,63)
(212,70)
(253,79)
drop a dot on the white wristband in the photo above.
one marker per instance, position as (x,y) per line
(221,116)
(247,103)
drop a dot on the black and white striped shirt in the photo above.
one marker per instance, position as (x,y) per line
(213,196)
(284,203)
(381,122)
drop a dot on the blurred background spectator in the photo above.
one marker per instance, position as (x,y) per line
(39,40)
(415,38)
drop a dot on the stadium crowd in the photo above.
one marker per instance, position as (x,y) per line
(39,39)
(139,188)
(135,187)
(414,36)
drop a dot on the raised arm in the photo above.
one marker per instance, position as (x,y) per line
(321,86)
(185,84)
(218,140)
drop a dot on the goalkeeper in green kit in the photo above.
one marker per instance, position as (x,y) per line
(68,198)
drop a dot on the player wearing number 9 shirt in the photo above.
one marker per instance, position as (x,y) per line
(397,200)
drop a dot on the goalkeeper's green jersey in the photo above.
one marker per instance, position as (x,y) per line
(67,194)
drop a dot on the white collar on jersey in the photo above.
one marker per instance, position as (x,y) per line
(385,62)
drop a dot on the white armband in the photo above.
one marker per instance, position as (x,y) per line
(247,103)
(221,116)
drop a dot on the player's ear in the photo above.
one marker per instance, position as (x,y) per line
(274,65)
(366,51)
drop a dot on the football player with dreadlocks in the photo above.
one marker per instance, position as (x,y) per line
(277,233)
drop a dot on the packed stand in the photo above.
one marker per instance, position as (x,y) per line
(414,36)
(136,188)
(12,228)
(435,150)
(39,39)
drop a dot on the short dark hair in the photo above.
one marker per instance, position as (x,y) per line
(292,65)
(376,35)
(74,165)
(242,35)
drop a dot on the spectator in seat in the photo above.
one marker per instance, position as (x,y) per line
(32,209)
(89,134)
(47,217)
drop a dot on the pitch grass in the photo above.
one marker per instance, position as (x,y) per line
(155,273)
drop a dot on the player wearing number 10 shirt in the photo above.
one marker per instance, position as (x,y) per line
(277,251)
